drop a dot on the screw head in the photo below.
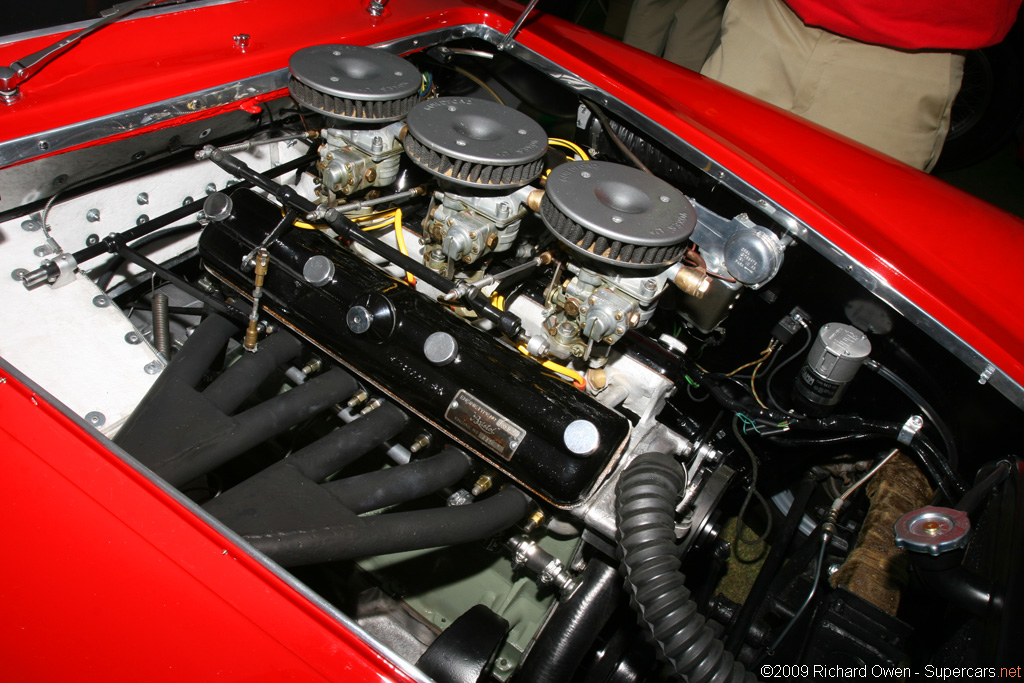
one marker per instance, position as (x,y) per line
(142,198)
(92,215)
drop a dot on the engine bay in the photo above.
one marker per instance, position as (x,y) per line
(496,368)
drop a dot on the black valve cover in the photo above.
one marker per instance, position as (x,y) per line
(497,403)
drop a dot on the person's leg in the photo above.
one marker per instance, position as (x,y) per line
(695,30)
(896,102)
(649,24)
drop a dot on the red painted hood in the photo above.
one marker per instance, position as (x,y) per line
(904,225)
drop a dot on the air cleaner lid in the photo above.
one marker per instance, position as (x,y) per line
(475,142)
(352,81)
(617,214)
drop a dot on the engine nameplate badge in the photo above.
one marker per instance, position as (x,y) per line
(485,424)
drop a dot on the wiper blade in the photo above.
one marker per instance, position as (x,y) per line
(11,77)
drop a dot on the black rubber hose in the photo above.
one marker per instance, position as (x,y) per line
(383,488)
(343,446)
(574,626)
(772,564)
(259,423)
(195,357)
(646,496)
(395,532)
(973,499)
(240,380)
(917,399)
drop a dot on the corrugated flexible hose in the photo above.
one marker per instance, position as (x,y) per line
(645,511)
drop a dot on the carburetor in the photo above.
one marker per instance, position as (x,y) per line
(484,155)
(629,231)
(366,94)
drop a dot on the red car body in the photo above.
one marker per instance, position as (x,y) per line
(110,575)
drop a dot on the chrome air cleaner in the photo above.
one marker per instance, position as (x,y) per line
(617,215)
(353,83)
(475,143)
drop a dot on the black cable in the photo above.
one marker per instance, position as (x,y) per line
(923,405)
(216,304)
(822,441)
(607,126)
(751,490)
(108,270)
(771,377)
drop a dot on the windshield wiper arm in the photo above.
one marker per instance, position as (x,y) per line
(25,68)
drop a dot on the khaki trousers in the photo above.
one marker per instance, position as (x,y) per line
(681,31)
(894,101)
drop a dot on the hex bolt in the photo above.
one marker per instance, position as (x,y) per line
(421,442)
(482,485)
(372,406)
(357,398)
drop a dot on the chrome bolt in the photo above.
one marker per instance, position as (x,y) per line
(92,215)
(142,199)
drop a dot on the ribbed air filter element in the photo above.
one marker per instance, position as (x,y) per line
(476,143)
(354,83)
(617,215)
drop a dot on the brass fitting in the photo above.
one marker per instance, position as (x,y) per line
(357,398)
(482,485)
(252,331)
(372,406)
(533,200)
(421,442)
(693,281)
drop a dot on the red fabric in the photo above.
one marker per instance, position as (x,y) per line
(913,24)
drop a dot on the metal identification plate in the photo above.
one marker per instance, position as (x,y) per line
(485,424)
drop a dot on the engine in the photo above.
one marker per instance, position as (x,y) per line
(529,396)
